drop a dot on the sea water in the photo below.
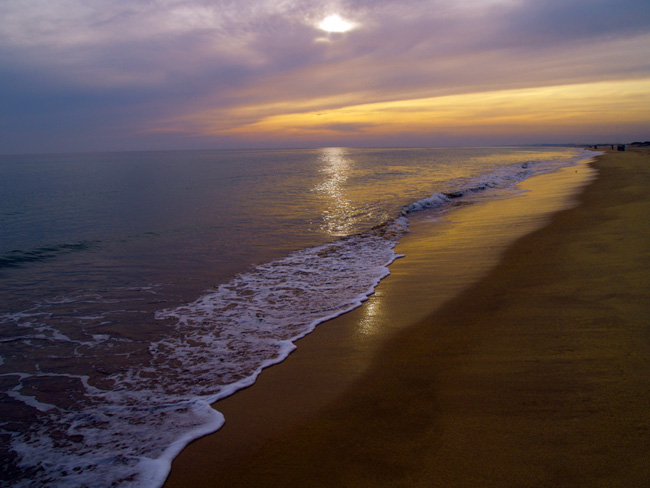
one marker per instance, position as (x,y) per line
(138,288)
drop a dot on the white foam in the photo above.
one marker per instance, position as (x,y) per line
(436,200)
(30,401)
(220,344)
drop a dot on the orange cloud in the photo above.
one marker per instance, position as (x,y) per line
(553,110)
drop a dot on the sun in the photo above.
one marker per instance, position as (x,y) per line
(335,23)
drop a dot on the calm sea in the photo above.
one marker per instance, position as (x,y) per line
(138,288)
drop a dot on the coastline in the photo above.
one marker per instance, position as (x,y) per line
(460,393)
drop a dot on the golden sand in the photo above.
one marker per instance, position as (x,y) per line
(483,363)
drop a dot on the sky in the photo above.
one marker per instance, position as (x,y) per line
(104,75)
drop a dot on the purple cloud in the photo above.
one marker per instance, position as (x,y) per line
(127,66)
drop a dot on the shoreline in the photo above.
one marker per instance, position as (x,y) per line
(277,443)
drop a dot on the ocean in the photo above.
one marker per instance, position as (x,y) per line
(138,288)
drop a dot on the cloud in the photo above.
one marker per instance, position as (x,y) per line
(344,127)
(561,114)
(190,66)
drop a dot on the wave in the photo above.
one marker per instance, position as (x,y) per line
(19,258)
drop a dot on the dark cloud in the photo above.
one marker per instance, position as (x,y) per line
(556,21)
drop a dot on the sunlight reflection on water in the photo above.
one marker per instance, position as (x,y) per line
(338,212)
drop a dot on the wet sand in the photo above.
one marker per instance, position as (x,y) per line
(478,362)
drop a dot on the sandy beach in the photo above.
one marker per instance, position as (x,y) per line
(526,362)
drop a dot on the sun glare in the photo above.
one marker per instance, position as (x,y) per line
(335,23)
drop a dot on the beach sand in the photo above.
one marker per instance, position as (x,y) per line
(479,362)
